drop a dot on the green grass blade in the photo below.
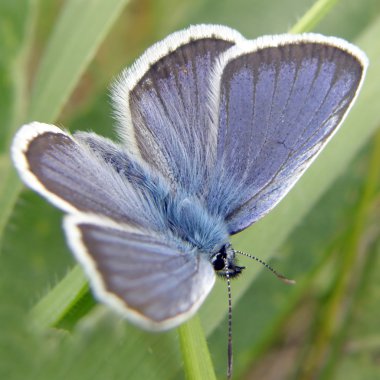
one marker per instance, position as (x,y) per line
(195,353)
(14,60)
(75,40)
(77,36)
(53,307)
(312,17)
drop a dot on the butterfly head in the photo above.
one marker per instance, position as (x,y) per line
(225,261)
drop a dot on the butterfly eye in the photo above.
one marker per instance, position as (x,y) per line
(218,262)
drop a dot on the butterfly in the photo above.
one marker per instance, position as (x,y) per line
(213,131)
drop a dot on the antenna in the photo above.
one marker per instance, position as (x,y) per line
(228,277)
(229,346)
(278,275)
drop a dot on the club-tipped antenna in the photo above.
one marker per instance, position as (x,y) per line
(229,346)
(278,275)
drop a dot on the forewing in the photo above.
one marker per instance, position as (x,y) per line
(147,279)
(79,177)
(280,100)
(162,104)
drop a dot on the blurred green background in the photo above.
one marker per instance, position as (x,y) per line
(57,59)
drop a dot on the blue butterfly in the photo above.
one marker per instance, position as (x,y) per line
(214,130)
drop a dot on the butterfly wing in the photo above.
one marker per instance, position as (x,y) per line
(115,225)
(136,272)
(162,104)
(279,101)
(86,174)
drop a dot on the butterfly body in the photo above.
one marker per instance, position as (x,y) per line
(183,217)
